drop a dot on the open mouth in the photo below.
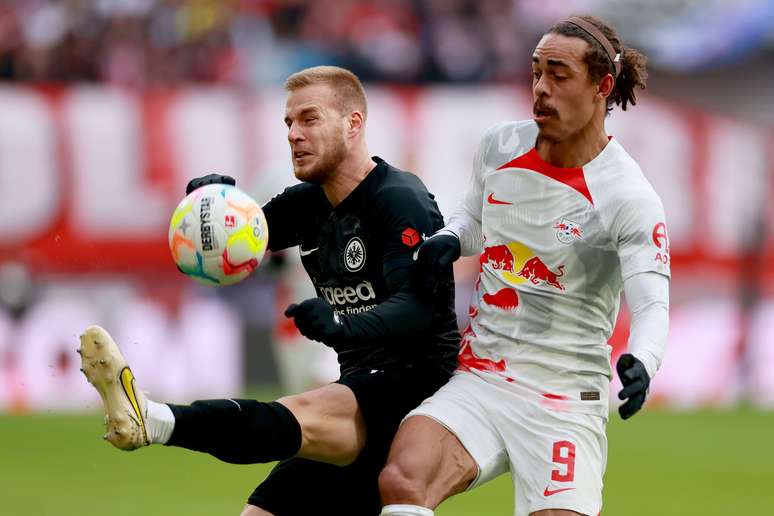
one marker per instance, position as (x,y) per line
(298,155)
(542,114)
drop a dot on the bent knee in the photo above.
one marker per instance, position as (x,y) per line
(396,486)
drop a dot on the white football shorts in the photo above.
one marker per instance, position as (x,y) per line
(557,459)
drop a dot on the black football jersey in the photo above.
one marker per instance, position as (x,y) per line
(358,255)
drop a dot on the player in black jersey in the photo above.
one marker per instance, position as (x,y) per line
(357,222)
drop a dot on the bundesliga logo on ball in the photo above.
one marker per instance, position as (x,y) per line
(218,235)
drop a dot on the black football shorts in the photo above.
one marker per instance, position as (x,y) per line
(299,486)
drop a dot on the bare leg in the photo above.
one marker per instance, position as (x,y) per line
(427,464)
(252,510)
(332,426)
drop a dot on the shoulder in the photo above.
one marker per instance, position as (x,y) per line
(395,183)
(506,140)
(305,190)
(617,181)
(512,133)
(400,192)
(279,210)
(302,192)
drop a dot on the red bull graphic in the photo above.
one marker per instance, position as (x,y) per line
(536,271)
(468,361)
(503,260)
(498,257)
(505,299)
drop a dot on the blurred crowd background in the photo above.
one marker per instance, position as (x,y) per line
(139,43)
(108,107)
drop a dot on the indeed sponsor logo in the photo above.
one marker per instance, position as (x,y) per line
(348,295)
(356,310)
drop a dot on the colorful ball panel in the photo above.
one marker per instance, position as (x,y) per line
(218,235)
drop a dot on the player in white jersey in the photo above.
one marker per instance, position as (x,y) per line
(564,221)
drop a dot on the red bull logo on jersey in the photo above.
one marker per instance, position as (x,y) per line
(536,271)
(497,257)
(515,264)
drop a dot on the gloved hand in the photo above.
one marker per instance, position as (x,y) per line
(209,179)
(431,260)
(635,380)
(316,320)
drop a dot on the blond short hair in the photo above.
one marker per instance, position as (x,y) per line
(347,88)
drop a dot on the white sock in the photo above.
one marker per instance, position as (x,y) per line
(160,422)
(405,510)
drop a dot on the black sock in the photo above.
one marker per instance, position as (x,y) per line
(237,431)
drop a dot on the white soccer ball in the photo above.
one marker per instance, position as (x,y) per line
(218,235)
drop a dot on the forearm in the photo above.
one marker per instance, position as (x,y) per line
(464,225)
(401,315)
(647,295)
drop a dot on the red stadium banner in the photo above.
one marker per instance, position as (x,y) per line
(89,176)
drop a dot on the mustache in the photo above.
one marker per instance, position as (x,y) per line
(545,109)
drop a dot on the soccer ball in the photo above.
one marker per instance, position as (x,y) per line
(218,235)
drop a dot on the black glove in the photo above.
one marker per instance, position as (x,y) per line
(316,320)
(431,260)
(209,179)
(635,380)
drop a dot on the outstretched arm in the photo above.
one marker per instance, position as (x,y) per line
(281,212)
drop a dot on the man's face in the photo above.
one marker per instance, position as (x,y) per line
(316,132)
(564,96)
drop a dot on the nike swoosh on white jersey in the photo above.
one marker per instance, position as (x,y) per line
(307,253)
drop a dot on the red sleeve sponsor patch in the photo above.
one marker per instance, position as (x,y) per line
(661,240)
(410,237)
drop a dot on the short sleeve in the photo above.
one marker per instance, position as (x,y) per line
(640,233)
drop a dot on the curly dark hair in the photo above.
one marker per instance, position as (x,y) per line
(633,62)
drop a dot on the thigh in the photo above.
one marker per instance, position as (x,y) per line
(332,425)
(461,409)
(252,510)
(431,461)
(299,486)
(385,397)
(558,459)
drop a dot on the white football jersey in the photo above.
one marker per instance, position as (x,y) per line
(556,245)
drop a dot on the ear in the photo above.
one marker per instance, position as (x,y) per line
(356,123)
(606,86)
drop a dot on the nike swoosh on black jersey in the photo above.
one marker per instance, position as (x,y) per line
(304,252)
